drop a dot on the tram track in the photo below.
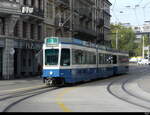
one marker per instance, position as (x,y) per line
(121,84)
(27,97)
(14,94)
(120,89)
(23,95)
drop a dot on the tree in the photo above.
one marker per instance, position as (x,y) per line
(126,38)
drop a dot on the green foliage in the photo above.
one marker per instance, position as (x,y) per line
(126,40)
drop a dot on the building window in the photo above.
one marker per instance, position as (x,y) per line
(25,2)
(39,4)
(24,62)
(2,26)
(32,31)
(39,32)
(32,2)
(16,34)
(29,62)
(24,29)
(49,32)
(49,12)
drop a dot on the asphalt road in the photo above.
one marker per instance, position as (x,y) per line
(125,93)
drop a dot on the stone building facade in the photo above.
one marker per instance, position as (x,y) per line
(21,36)
(49,18)
(107,17)
(83,19)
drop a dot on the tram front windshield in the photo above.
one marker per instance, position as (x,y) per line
(51,57)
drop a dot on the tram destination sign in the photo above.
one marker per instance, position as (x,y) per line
(52,41)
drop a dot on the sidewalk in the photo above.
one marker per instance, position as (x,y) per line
(30,81)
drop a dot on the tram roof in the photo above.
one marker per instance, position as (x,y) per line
(66,40)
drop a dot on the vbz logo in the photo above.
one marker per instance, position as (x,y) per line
(27,10)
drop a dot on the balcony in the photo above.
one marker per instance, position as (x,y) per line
(90,2)
(38,12)
(100,22)
(100,37)
(8,7)
(84,31)
(58,22)
(106,13)
(85,14)
(62,3)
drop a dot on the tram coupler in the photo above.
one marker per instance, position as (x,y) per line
(54,82)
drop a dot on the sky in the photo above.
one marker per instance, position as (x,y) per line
(134,12)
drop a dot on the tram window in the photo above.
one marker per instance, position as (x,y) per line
(109,59)
(114,59)
(100,58)
(123,59)
(92,58)
(104,58)
(51,57)
(84,57)
(77,57)
(65,57)
(88,58)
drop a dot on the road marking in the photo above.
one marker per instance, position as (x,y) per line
(59,100)
(22,89)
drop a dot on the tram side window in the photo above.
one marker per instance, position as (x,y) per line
(108,59)
(123,59)
(77,57)
(114,59)
(65,57)
(90,58)
(94,59)
(83,57)
(105,58)
(101,58)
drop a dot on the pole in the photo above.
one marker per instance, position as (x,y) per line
(143,48)
(116,39)
(148,52)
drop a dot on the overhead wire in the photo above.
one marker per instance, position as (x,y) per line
(144,11)
(115,4)
(135,12)
(140,2)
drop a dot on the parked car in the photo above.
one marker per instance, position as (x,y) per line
(143,62)
(133,60)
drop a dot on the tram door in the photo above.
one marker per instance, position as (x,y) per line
(1,63)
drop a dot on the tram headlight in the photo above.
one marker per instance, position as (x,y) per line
(51,73)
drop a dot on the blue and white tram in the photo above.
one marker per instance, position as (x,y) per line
(75,61)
